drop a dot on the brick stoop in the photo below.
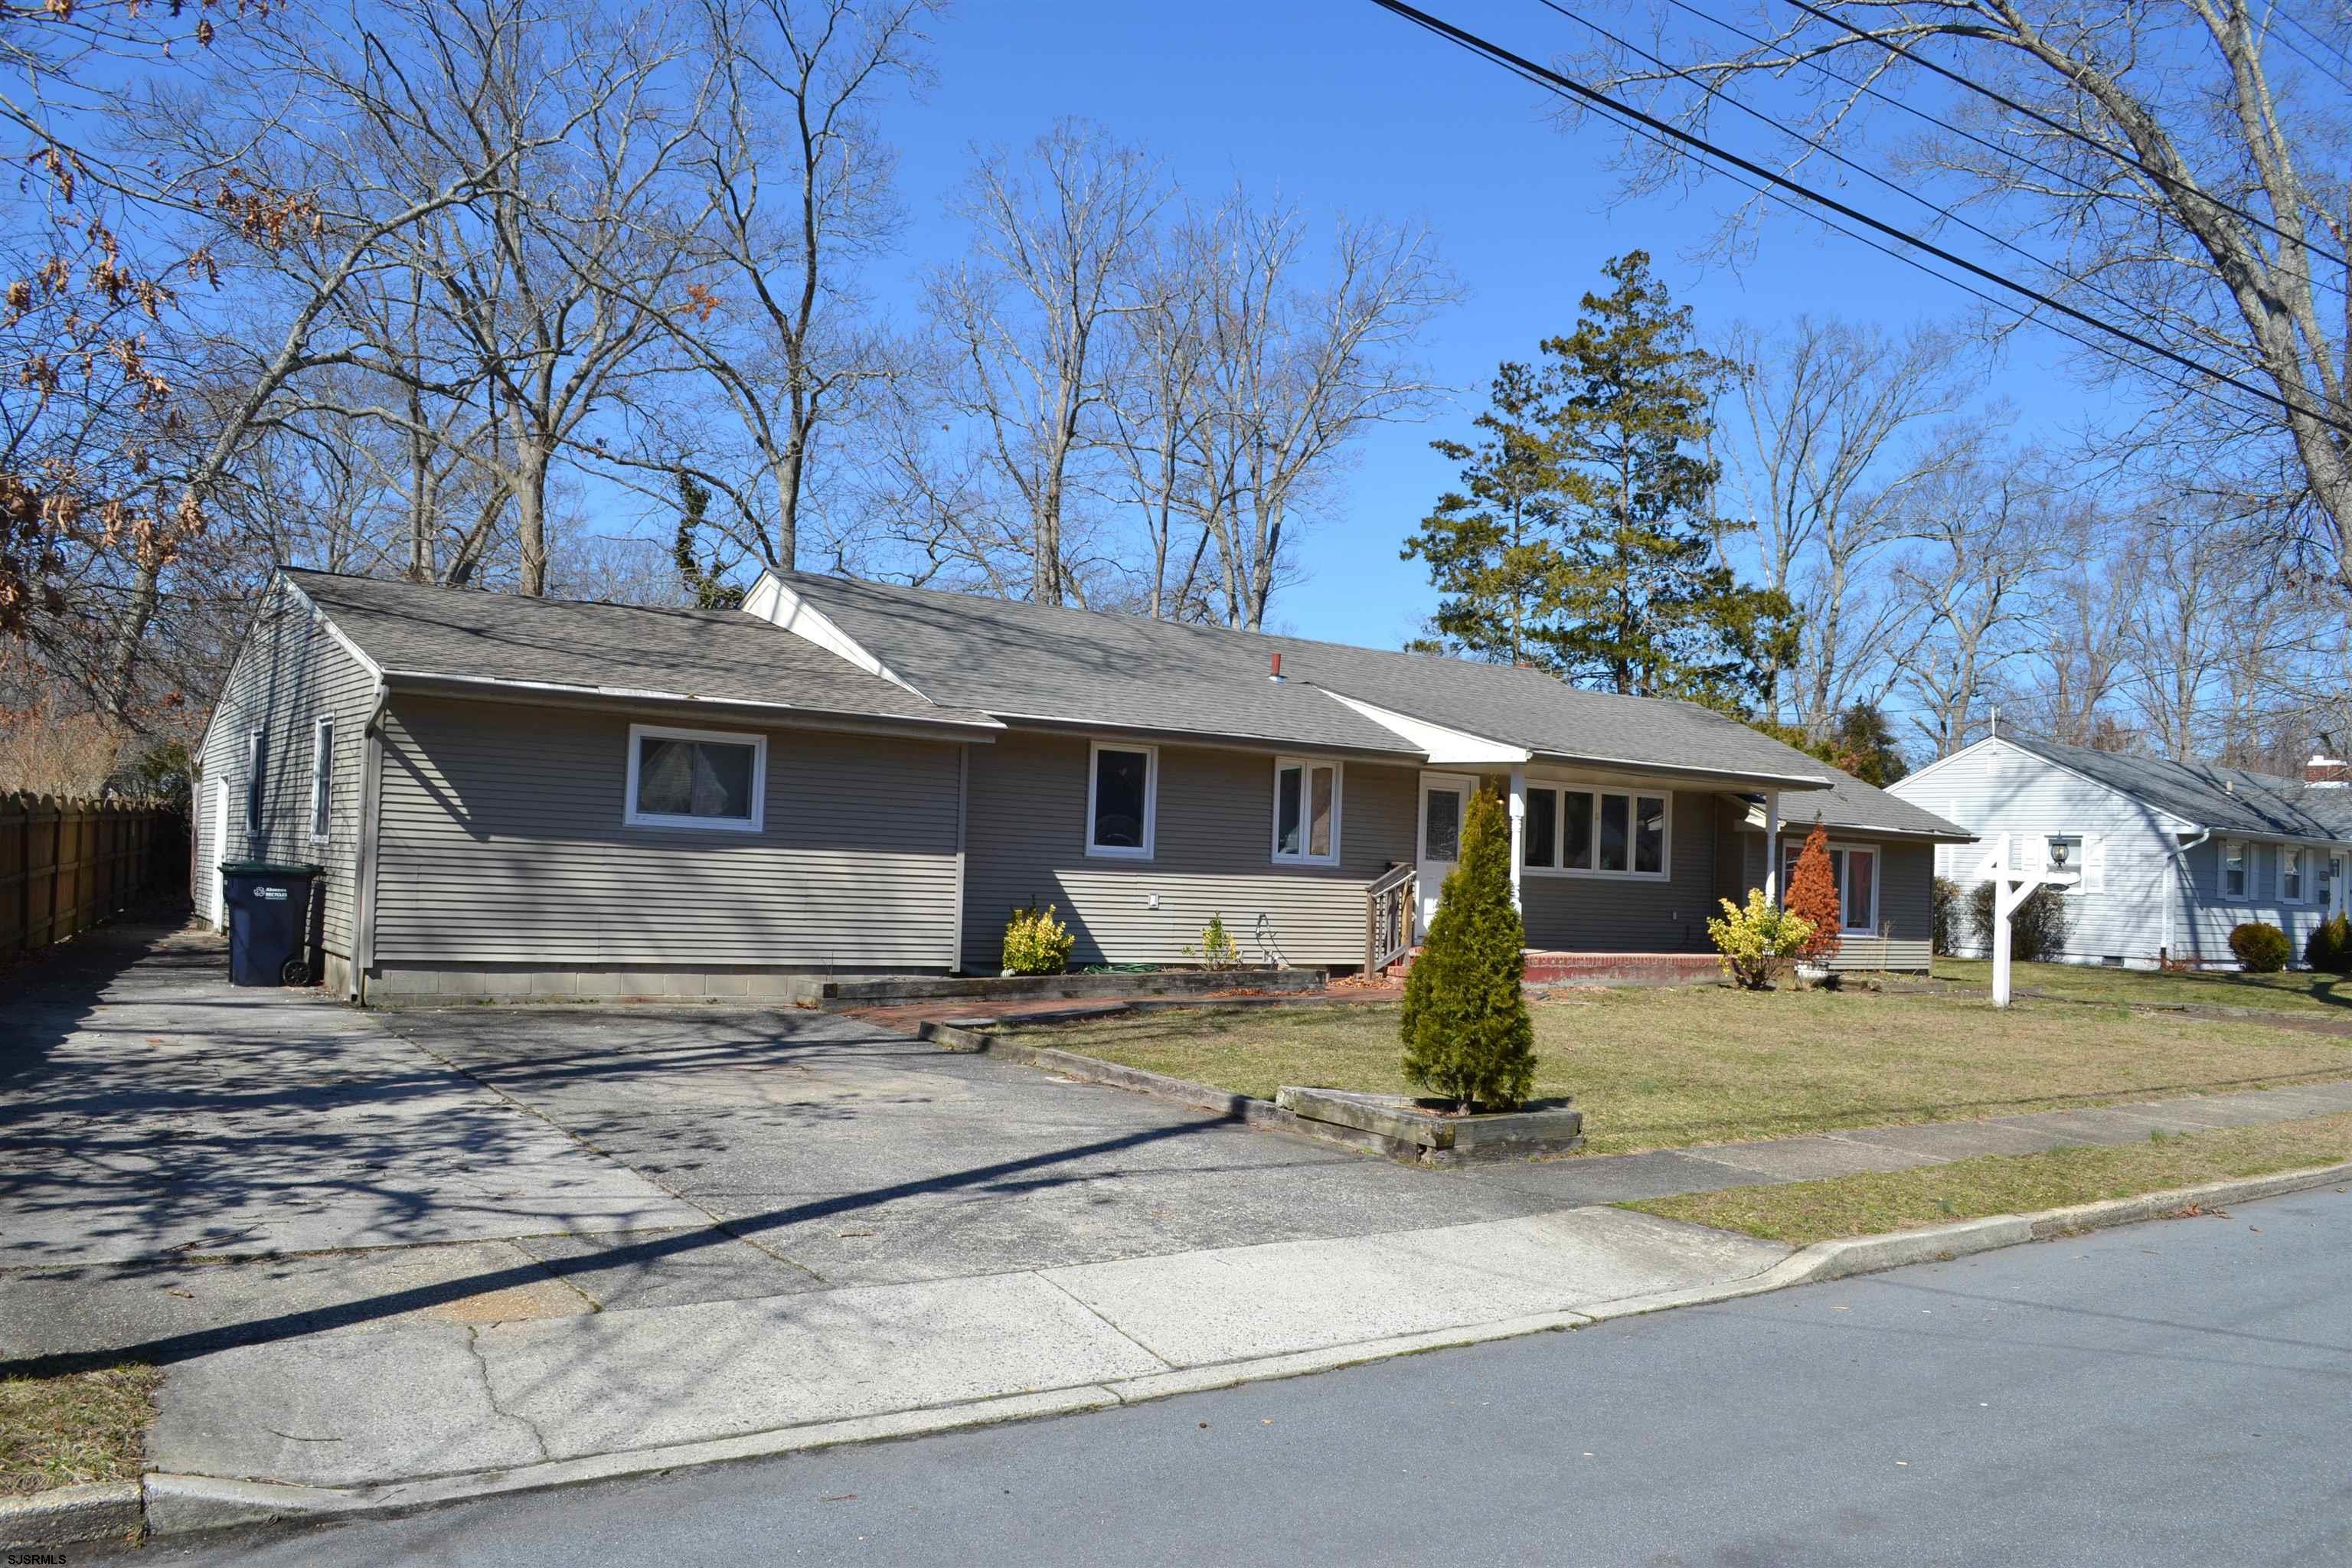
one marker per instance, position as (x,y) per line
(1549,968)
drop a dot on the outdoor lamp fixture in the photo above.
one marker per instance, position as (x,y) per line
(2058,853)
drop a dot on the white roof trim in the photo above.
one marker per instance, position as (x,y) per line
(774,602)
(2169,821)
(333,630)
(631,693)
(1442,744)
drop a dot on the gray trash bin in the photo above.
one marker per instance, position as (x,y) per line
(268,921)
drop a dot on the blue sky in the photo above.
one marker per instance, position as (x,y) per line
(1343,107)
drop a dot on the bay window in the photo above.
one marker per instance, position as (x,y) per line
(1306,811)
(1596,833)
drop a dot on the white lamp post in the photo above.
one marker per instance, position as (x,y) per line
(2011,886)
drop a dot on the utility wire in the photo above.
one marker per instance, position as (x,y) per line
(1833,154)
(2282,15)
(1996,148)
(1554,81)
(2119,155)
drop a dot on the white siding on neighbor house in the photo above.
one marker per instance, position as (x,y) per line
(1997,788)
(1212,855)
(501,840)
(290,672)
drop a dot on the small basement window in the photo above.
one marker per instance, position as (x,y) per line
(1306,811)
(1122,782)
(697,778)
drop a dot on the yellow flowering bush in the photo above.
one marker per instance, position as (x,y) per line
(1035,942)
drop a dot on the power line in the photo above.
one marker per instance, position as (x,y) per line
(1831,152)
(1554,81)
(2282,15)
(1996,148)
(1892,46)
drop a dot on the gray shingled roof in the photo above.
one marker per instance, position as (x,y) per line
(2226,800)
(1852,805)
(714,656)
(1013,658)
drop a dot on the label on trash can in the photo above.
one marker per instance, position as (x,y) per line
(269,892)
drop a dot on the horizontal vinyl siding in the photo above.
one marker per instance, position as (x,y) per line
(1213,839)
(1995,790)
(501,840)
(1631,914)
(2206,916)
(290,672)
(1905,908)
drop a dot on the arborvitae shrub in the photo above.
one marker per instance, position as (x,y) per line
(1466,1032)
(1813,895)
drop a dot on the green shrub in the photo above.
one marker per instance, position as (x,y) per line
(1037,944)
(1217,950)
(1944,911)
(1466,1032)
(2261,946)
(2037,930)
(1759,942)
(2329,948)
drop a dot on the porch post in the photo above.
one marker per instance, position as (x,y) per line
(1771,846)
(1518,827)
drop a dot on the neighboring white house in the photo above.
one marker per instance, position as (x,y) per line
(2172,854)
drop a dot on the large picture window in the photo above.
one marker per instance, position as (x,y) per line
(1306,811)
(1853,867)
(1120,807)
(1596,833)
(697,778)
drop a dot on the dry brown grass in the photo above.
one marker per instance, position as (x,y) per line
(74,1427)
(2294,990)
(1666,1068)
(1870,1205)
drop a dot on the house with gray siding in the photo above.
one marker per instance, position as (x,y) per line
(2172,854)
(519,796)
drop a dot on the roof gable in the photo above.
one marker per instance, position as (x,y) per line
(2204,795)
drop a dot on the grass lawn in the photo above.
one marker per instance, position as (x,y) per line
(2302,992)
(1662,1069)
(1803,1212)
(77,1427)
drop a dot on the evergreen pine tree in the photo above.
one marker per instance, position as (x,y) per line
(1813,895)
(1467,1035)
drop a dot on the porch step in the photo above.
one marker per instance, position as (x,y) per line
(1550,968)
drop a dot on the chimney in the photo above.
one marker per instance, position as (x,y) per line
(1276,673)
(2323,771)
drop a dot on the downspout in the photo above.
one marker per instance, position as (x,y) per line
(2172,893)
(962,852)
(363,856)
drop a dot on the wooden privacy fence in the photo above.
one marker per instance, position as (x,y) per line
(68,864)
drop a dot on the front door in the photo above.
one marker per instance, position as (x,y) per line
(1444,801)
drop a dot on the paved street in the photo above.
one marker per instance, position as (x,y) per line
(2171,1393)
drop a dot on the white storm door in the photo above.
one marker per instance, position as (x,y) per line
(1444,801)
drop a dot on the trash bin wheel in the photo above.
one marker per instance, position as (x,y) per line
(297,972)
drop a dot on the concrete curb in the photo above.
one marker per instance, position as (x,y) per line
(178,1505)
(63,1515)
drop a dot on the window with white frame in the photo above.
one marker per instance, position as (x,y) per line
(256,754)
(1122,784)
(323,780)
(1306,811)
(1596,833)
(1853,869)
(697,778)
(2291,875)
(2233,867)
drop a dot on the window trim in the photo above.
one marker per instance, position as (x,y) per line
(2244,889)
(1847,846)
(257,758)
(1307,766)
(639,733)
(1150,801)
(322,779)
(2293,854)
(1632,794)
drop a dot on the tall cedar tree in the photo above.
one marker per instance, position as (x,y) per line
(1467,1035)
(1813,895)
(1587,543)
